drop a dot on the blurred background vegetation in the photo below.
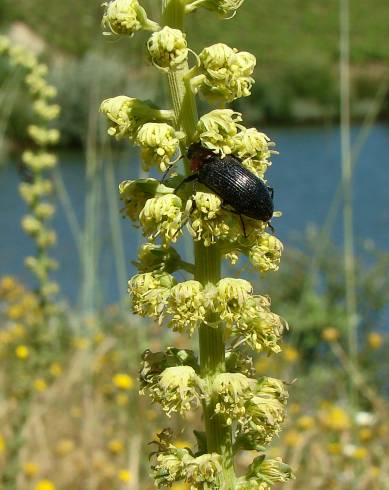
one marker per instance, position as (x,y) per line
(70,415)
(296,44)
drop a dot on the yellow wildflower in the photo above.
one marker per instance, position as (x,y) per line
(334,418)
(360,453)
(116,446)
(125,476)
(45,485)
(123,381)
(374,340)
(64,447)
(30,469)
(2,445)
(330,334)
(22,351)
(290,354)
(80,343)
(40,385)
(305,422)
(334,448)
(55,369)
(292,438)
(15,312)
(122,399)
(365,434)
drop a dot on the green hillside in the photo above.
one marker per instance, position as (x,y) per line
(295,41)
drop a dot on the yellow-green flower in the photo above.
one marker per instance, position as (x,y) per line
(125,17)
(168,48)
(159,143)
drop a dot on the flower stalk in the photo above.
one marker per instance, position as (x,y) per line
(239,411)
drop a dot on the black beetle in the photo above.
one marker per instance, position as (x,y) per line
(239,188)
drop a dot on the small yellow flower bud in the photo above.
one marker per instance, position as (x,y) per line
(125,17)
(149,293)
(168,48)
(186,305)
(231,390)
(208,222)
(177,389)
(232,296)
(46,111)
(44,211)
(226,8)
(43,136)
(253,148)
(162,216)
(128,114)
(265,255)
(216,130)
(226,73)
(159,143)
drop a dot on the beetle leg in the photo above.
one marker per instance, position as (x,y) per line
(240,216)
(243,226)
(271,227)
(190,178)
(271,191)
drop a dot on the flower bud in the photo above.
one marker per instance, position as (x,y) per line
(265,472)
(226,8)
(128,114)
(186,305)
(162,216)
(231,391)
(168,48)
(226,73)
(265,255)
(253,148)
(205,471)
(217,128)
(208,222)
(135,193)
(260,328)
(125,17)
(43,136)
(44,211)
(152,257)
(231,298)
(46,111)
(19,56)
(149,293)
(177,389)
(159,143)
(39,161)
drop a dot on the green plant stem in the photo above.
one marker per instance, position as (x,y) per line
(349,259)
(207,267)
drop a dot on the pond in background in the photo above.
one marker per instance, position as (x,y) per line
(305,177)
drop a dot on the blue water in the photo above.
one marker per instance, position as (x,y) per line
(305,177)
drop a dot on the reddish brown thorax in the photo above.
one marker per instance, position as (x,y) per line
(197,155)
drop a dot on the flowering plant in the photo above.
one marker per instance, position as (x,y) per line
(240,411)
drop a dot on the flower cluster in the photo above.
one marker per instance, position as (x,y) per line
(225,73)
(251,410)
(37,187)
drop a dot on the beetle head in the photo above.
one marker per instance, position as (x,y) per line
(197,154)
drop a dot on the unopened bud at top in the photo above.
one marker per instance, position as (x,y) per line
(168,48)
(125,17)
